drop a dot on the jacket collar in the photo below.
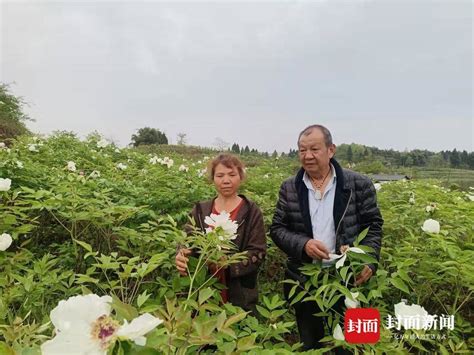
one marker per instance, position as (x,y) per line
(204,209)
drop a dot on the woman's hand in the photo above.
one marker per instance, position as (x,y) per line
(182,261)
(214,268)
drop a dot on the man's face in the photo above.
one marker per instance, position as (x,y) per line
(313,153)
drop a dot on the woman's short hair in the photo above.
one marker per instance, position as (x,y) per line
(229,161)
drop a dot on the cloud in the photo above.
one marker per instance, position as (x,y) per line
(234,70)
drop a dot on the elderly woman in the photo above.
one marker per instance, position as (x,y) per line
(227,173)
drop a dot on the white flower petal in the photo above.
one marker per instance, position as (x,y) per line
(5,241)
(139,327)
(141,341)
(352,302)
(431,226)
(338,333)
(335,256)
(341,261)
(402,310)
(356,250)
(79,310)
(76,343)
(5,184)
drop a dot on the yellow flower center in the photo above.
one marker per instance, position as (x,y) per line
(103,330)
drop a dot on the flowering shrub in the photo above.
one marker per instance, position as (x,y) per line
(79,219)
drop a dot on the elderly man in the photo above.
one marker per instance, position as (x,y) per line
(319,210)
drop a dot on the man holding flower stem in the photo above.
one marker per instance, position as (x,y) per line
(320,212)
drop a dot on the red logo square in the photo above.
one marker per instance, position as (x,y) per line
(362,325)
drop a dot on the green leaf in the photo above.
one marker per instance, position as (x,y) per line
(263,311)
(123,310)
(235,318)
(84,245)
(141,299)
(204,295)
(400,284)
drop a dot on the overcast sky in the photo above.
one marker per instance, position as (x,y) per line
(391,74)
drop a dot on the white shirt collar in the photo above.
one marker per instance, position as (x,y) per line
(309,185)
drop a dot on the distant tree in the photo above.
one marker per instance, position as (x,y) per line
(149,135)
(221,144)
(470,163)
(246,150)
(274,154)
(464,158)
(454,159)
(436,161)
(350,155)
(181,138)
(409,161)
(235,148)
(292,153)
(12,117)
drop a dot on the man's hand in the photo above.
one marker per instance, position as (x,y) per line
(316,249)
(182,261)
(365,274)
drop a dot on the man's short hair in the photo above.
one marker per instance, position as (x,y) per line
(307,131)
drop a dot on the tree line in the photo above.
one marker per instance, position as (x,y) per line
(13,123)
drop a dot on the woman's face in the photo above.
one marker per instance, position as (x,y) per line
(226,180)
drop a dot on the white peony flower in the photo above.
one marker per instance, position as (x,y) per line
(2,145)
(71,166)
(19,164)
(338,334)
(102,143)
(33,147)
(84,324)
(202,172)
(167,161)
(121,166)
(5,241)
(431,226)
(470,197)
(223,221)
(5,184)
(136,330)
(352,302)
(94,174)
(431,207)
(415,311)
(205,158)
(411,200)
(153,160)
(342,257)
(117,150)
(183,168)
(377,186)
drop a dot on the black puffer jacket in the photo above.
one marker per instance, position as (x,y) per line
(355,208)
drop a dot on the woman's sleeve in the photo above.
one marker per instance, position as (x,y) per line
(256,246)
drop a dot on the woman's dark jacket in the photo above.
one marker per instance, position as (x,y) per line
(241,277)
(355,208)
